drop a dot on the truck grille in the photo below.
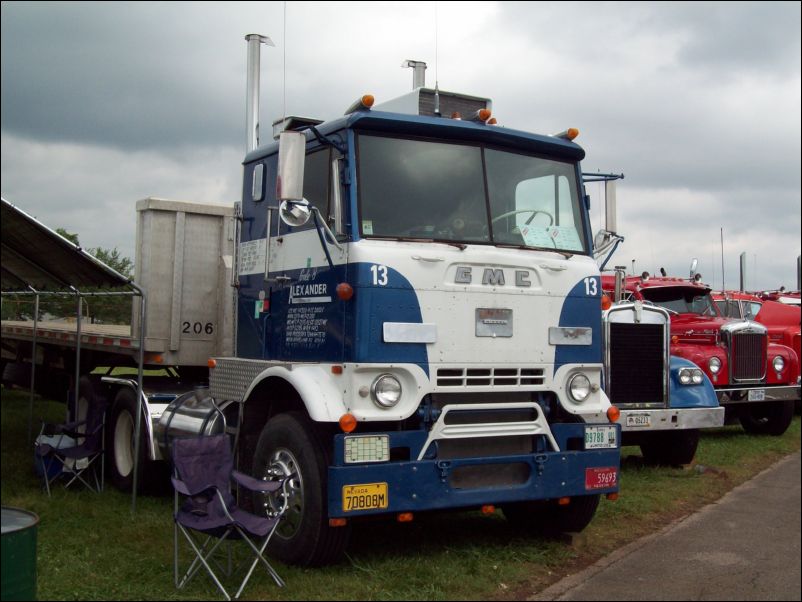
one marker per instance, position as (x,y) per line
(637,370)
(489,377)
(748,356)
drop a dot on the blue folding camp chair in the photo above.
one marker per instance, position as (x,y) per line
(74,449)
(205,507)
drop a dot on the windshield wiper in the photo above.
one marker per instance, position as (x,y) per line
(565,254)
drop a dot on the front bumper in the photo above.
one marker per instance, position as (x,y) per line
(647,420)
(432,484)
(740,395)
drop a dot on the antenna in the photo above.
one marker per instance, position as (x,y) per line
(723,288)
(436,64)
(284,68)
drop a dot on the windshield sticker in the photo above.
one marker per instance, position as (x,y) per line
(565,238)
(554,237)
(536,237)
(367,227)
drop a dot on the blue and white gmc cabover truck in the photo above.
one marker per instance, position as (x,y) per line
(412,323)
(419,323)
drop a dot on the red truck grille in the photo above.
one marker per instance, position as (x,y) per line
(748,356)
(637,364)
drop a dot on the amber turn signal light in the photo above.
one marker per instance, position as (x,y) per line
(347,423)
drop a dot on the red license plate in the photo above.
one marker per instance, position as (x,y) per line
(601,478)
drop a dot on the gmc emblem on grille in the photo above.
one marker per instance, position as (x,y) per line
(491,277)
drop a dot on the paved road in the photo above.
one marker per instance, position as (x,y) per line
(746,546)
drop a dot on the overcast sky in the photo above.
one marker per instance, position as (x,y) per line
(698,104)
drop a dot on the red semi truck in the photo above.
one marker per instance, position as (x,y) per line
(756,378)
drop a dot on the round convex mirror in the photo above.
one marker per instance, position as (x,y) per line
(295,213)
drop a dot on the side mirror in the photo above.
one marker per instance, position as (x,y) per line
(610,206)
(291,156)
(295,213)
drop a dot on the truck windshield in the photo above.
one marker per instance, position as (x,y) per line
(419,189)
(681,300)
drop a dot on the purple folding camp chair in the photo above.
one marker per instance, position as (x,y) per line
(203,473)
(73,449)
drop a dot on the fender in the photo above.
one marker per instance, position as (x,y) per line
(689,396)
(322,399)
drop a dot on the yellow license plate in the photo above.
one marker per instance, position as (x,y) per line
(369,496)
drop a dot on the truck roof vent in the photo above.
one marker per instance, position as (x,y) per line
(421,101)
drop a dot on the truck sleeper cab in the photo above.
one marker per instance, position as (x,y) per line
(409,346)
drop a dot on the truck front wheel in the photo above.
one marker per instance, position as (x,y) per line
(550,518)
(670,448)
(289,445)
(768,418)
(120,441)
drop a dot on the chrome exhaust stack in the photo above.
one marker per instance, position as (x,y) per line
(252,89)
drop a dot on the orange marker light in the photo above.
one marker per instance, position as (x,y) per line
(606,302)
(344,291)
(492,121)
(405,517)
(612,496)
(456,115)
(368,100)
(338,522)
(347,423)
(488,509)
(613,414)
(571,133)
(483,114)
(564,501)
(212,363)
(336,369)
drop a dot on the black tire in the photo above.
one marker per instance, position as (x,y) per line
(768,418)
(289,444)
(670,448)
(17,374)
(90,392)
(120,427)
(550,518)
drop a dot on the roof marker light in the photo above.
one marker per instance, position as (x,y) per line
(363,103)
(568,134)
(481,115)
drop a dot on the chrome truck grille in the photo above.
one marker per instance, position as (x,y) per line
(747,348)
(748,356)
(636,367)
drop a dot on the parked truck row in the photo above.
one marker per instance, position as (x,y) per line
(404,314)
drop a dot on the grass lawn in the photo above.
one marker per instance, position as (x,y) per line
(90,547)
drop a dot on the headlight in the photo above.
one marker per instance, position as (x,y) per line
(779,363)
(714,365)
(579,387)
(691,376)
(385,391)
